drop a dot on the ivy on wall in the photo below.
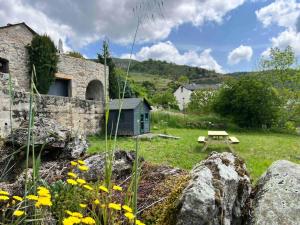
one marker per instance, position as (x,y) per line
(43,55)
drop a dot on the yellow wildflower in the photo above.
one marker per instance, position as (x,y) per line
(138,222)
(127,208)
(102,188)
(74,214)
(114,206)
(83,168)
(18,198)
(3,192)
(88,187)
(96,202)
(18,213)
(88,220)
(74,163)
(4,198)
(102,205)
(117,188)
(80,181)
(71,220)
(43,192)
(83,205)
(73,175)
(43,201)
(32,197)
(129,215)
(81,162)
(72,182)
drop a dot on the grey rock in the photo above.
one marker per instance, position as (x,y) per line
(277,200)
(217,192)
(122,165)
(75,148)
(47,133)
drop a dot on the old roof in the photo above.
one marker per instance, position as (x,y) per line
(128,103)
(193,87)
(20,24)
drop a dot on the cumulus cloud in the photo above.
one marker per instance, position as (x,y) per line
(168,52)
(239,54)
(283,13)
(80,23)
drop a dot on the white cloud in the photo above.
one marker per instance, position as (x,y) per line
(239,54)
(283,13)
(168,52)
(80,23)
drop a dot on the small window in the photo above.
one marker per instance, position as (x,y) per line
(4,66)
(146,116)
(181,89)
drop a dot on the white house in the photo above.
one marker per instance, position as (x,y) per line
(184,92)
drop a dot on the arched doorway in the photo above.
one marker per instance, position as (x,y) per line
(94,91)
(4,65)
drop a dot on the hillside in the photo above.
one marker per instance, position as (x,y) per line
(169,71)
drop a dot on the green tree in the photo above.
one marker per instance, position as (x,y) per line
(201,101)
(43,55)
(183,80)
(249,101)
(281,71)
(165,100)
(114,88)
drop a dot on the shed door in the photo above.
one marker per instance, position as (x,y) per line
(142,124)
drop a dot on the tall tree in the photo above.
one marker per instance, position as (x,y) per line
(43,55)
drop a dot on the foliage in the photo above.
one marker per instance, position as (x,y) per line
(165,100)
(280,71)
(167,69)
(75,54)
(43,55)
(201,101)
(183,80)
(150,87)
(116,76)
(249,101)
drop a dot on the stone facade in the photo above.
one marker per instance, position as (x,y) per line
(81,72)
(13,40)
(81,112)
(78,116)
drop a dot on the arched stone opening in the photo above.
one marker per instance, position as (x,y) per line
(94,91)
(4,66)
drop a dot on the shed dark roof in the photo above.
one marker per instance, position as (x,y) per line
(193,87)
(20,24)
(128,103)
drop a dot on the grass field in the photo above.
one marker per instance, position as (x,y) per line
(160,83)
(258,149)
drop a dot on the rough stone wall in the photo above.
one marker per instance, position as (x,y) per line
(83,72)
(12,47)
(79,116)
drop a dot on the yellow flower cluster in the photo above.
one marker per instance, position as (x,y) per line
(42,199)
(80,165)
(77,218)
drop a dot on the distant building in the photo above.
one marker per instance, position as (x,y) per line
(184,92)
(134,118)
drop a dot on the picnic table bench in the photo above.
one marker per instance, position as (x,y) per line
(217,137)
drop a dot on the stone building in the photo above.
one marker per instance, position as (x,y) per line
(75,99)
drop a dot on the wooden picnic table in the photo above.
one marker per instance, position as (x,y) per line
(218,137)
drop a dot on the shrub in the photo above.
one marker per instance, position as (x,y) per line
(165,100)
(249,101)
(201,101)
(42,54)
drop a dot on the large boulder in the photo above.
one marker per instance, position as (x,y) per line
(217,192)
(277,199)
(122,165)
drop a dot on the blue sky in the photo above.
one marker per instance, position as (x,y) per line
(226,36)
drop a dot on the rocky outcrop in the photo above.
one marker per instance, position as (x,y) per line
(277,199)
(122,165)
(217,192)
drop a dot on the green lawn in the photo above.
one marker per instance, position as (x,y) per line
(258,149)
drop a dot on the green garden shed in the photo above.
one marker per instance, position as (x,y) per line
(134,118)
